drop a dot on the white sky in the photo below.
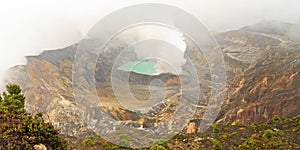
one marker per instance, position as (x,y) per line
(31,26)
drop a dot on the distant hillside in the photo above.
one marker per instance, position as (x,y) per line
(289,30)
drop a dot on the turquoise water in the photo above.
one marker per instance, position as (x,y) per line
(144,67)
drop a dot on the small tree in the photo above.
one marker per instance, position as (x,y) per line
(13,100)
(21,130)
(13,89)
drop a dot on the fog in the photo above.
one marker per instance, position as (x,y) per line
(152,42)
(29,27)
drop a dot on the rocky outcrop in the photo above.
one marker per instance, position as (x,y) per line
(40,147)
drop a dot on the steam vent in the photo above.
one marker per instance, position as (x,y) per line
(143,72)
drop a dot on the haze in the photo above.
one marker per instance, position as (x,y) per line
(29,27)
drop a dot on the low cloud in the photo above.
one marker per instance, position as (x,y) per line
(29,27)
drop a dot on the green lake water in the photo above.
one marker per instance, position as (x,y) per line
(143,67)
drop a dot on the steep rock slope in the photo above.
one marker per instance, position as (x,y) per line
(270,86)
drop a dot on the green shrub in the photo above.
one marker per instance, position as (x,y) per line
(226,136)
(237,123)
(124,140)
(158,147)
(269,134)
(228,124)
(276,119)
(109,146)
(250,143)
(217,145)
(287,120)
(297,118)
(163,143)
(215,128)
(112,147)
(88,142)
(253,125)
(261,127)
